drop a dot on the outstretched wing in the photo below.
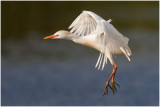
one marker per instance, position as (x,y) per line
(85,23)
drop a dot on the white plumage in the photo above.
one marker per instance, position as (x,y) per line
(91,30)
(111,41)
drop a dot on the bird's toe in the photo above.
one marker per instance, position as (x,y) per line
(106,89)
(113,86)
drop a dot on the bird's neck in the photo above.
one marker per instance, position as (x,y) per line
(71,36)
(74,38)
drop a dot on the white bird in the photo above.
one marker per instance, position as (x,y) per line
(91,30)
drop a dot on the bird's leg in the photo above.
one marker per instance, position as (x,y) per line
(107,84)
(112,81)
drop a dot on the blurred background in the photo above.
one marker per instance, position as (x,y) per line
(38,72)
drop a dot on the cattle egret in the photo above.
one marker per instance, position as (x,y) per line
(91,30)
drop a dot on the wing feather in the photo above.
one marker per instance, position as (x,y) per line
(98,60)
(125,53)
(84,24)
(115,40)
(87,22)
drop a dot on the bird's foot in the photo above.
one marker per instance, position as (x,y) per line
(113,86)
(106,89)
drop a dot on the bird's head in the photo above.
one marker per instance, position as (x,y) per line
(62,34)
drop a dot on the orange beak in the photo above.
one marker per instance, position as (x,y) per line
(51,36)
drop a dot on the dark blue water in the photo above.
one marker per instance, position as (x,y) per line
(37,72)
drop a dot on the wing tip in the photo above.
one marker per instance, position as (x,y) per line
(85,11)
(110,20)
(125,53)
